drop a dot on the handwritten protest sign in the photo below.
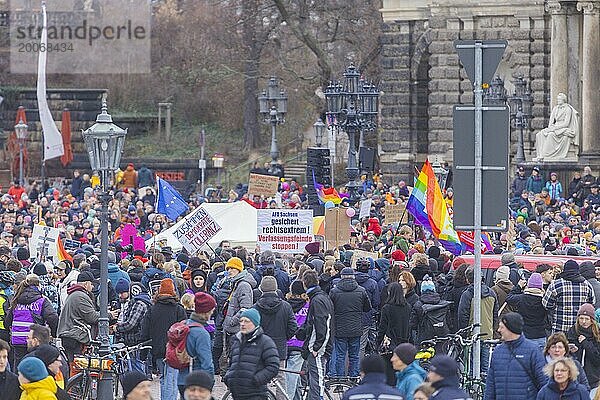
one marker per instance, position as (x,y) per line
(394,213)
(196,229)
(263,185)
(337,227)
(365,209)
(43,241)
(284,231)
(356,254)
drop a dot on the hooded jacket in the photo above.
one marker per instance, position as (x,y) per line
(408,380)
(78,316)
(489,310)
(115,273)
(164,313)
(528,303)
(350,301)
(418,314)
(277,320)
(44,389)
(319,325)
(240,299)
(65,284)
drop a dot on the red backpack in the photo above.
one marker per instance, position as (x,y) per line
(176,354)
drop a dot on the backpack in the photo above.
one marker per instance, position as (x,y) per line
(434,319)
(176,355)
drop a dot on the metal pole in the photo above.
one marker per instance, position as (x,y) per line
(105,385)
(21,162)
(477,212)
(274,150)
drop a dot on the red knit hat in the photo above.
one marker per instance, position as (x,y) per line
(398,255)
(204,302)
(167,287)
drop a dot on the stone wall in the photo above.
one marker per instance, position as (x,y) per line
(422,77)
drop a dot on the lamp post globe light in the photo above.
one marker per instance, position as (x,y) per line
(21,130)
(104,143)
(353,106)
(272,104)
(319,128)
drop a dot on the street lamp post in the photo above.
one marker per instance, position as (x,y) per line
(353,106)
(22,133)
(104,143)
(272,104)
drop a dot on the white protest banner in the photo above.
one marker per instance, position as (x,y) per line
(356,254)
(43,241)
(284,231)
(365,209)
(395,213)
(196,229)
(263,185)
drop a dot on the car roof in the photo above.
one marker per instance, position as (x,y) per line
(529,261)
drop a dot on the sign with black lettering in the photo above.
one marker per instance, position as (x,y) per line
(284,231)
(196,229)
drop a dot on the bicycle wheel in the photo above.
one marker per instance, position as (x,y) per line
(475,390)
(227,396)
(78,387)
(335,390)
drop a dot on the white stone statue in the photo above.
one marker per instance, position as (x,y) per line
(554,142)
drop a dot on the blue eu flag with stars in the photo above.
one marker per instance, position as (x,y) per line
(168,201)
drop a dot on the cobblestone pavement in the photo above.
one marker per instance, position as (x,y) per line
(218,391)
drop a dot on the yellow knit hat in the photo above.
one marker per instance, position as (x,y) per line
(235,262)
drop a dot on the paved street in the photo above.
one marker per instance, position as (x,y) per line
(218,390)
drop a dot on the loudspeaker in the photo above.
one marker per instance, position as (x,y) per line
(366,159)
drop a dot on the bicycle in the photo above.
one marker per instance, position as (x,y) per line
(92,367)
(334,387)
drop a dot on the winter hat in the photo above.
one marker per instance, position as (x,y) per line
(313,248)
(542,268)
(502,273)
(587,270)
(372,364)
(347,271)
(85,276)
(167,287)
(398,255)
(427,284)
(22,254)
(571,266)
(268,284)
(513,322)
(433,252)
(444,365)
(406,352)
(33,369)
(235,263)
(200,379)
(586,309)
(253,315)
(130,380)
(297,288)
(535,281)
(198,272)
(47,353)
(122,286)
(508,258)
(40,269)
(204,302)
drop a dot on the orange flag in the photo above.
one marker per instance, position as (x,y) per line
(62,253)
(65,131)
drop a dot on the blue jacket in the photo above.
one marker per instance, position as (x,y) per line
(408,380)
(507,378)
(575,391)
(115,273)
(448,389)
(199,347)
(372,386)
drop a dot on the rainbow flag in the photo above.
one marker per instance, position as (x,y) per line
(326,194)
(467,239)
(427,206)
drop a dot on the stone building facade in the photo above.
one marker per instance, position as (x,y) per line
(553,44)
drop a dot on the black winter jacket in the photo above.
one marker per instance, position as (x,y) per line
(164,313)
(254,362)
(277,320)
(394,323)
(373,386)
(529,305)
(319,325)
(453,295)
(350,301)
(9,386)
(448,389)
(591,362)
(416,316)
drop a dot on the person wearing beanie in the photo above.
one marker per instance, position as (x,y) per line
(114,271)
(9,381)
(502,286)
(28,300)
(136,386)
(430,313)
(35,381)
(527,302)
(372,384)
(398,255)
(198,386)
(350,301)
(241,297)
(584,334)
(565,295)
(198,280)
(277,321)
(270,266)
(128,329)
(517,360)
(122,286)
(167,288)
(409,374)
(588,271)
(508,259)
(443,375)
(199,343)
(254,359)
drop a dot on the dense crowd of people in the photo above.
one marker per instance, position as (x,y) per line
(248,318)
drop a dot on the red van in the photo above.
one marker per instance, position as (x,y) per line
(491,262)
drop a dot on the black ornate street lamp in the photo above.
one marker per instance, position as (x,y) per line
(353,106)
(272,104)
(104,143)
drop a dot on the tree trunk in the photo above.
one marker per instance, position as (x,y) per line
(251,67)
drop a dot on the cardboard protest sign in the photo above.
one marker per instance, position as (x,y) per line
(284,231)
(43,241)
(337,227)
(263,185)
(356,254)
(196,229)
(365,209)
(395,213)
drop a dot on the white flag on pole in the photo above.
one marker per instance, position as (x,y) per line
(53,144)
